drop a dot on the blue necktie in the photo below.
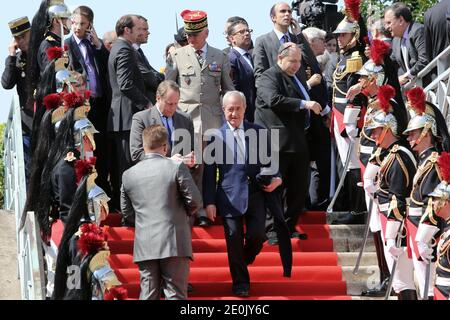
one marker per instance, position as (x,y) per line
(284,38)
(169,131)
(91,70)
(306,95)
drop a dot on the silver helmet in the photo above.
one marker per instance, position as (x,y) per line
(58,9)
(373,71)
(382,119)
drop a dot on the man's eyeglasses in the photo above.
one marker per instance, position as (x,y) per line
(242,32)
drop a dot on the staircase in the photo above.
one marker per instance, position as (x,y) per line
(322,265)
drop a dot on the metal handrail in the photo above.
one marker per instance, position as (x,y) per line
(29,247)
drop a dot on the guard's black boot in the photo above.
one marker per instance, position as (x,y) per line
(407,295)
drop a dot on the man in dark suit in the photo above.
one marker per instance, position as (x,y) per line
(152,78)
(238,194)
(437,29)
(265,56)
(283,105)
(164,113)
(128,94)
(89,56)
(163,240)
(408,44)
(241,64)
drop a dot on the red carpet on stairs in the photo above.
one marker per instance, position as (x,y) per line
(316,274)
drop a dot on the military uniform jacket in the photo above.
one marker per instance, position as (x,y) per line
(64,187)
(14,75)
(442,291)
(367,145)
(51,40)
(201,87)
(395,181)
(342,81)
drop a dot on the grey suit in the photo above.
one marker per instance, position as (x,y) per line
(158,195)
(417,54)
(146,118)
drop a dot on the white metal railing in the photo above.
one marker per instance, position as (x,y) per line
(29,248)
(438,90)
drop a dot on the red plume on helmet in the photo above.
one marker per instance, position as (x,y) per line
(92,239)
(416,98)
(84,167)
(54,53)
(385,94)
(73,100)
(444,165)
(352,9)
(52,101)
(379,49)
(116,293)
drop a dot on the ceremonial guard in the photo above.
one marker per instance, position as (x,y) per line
(428,137)
(348,114)
(439,203)
(395,180)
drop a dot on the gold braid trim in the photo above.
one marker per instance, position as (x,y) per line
(419,178)
(402,165)
(393,207)
(444,250)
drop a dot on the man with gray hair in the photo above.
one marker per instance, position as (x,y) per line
(236,193)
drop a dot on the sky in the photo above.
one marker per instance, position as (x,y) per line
(160,14)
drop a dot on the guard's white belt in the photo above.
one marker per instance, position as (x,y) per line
(340,100)
(365,149)
(415,212)
(440,281)
(384,206)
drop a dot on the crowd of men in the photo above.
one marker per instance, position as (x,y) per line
(326,106)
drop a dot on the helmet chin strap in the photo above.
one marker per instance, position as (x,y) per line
(382,136)
(419,140)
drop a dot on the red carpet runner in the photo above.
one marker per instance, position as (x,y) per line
(315,274)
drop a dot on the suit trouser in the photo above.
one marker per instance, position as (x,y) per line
(171,274)
(294,168)
(122,161)
(98,116)
(243,247)
(319,143)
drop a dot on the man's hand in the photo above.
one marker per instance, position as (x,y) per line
(211,212)
(295,27)
(313,106)
(94,38)
(353,91)
(12,47)
(403,79)
(274,183)
(189,160)
(314,80)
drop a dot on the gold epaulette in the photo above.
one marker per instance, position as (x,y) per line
(81,112)
(354,64)
(394,149)
(393,208)
(50,38)
(429,214)
(58,114)
(433,158)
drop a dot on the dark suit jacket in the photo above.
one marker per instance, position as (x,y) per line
(278,107)
(236,180)
(127,84)
(417,55)
(100,59)
(265,55)
(437,29)
(146,118)
(244,81)
(152,78)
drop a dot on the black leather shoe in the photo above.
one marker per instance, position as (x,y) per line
(378,292)
(190,288)
(242,293)
(204,222)
(298,235)
(272,241)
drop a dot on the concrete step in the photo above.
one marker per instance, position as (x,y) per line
(368,277)
(335,215)
(346,231)
(348,259)
(352,245)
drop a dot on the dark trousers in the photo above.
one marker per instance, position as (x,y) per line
(243,247)
(294,168)
(121,161)
(98,115)
(319,143)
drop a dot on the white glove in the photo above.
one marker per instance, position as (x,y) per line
(352,130)
(393,250)
(425,251)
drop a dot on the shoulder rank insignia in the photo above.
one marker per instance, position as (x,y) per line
(70,157)
(50,38)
